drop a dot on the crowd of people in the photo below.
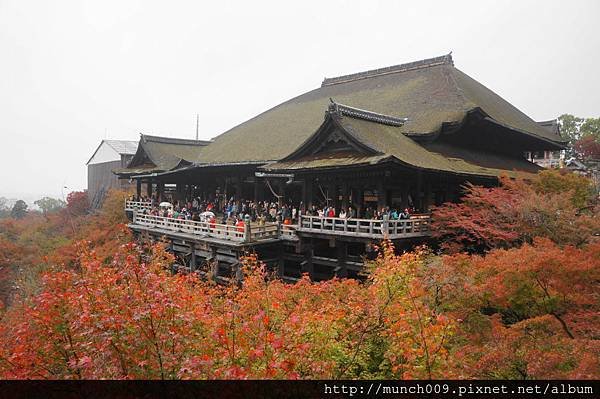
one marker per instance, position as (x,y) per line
(236,212)
(350,212)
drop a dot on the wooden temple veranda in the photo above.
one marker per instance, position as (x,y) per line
(410,135)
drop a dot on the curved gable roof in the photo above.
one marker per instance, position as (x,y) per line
(428,92)
(156,153)
(388,143)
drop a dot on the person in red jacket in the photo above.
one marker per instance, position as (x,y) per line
(239,226)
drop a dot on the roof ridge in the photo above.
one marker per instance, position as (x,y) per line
(426,63)
(173,140)
(358,113)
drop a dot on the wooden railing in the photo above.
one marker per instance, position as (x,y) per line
(261,232)
(288,232)
(416,226)
(245,233)
(138,206)
(223,231)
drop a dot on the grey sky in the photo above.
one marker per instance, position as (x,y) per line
(74,72)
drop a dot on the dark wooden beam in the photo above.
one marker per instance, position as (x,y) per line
(342,252)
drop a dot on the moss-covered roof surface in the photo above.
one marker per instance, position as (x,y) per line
(429,93)
(392,144)
(139,170)
(330,160)
(157,154)
(167,153)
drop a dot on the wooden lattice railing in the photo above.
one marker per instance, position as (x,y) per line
(415,226)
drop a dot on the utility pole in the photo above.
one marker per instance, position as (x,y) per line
(197,122)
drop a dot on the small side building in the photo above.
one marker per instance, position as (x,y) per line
(109,155)
(550,159)
(157,154)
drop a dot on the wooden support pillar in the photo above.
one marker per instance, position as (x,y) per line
(342,252)
(303,198)
(214,265)
(247,229)
(192,257)
(225,192)
(309,192)
(405,191)
(385,225)
(238,190)
(236,270)
(257,189)
(332,195)
(357,200)
(261,190)
(381,194)
(280,192)
(345,194)
(427,198)
(351,192)
(280,262)
(149,188)
(419,199)
(138,188)
(307,265)
(160,188)
(179,189)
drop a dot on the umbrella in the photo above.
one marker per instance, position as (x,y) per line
(165,204)
(206,216)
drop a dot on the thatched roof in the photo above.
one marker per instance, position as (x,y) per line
(429,92)
(551,125)
(370,141)
(159,154)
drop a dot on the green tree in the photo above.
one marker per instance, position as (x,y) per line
(588,145)
(590,127)
(582,133)
(570,127)
(19,210)
(578,189)
(48,205)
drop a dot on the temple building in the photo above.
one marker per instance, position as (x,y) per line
(157,155)
(402,137)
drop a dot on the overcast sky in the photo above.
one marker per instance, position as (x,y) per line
(75,72)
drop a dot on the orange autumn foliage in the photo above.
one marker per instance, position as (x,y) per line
(132,319)
(553,204)
(529,312)
(104,307)
(31,244)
